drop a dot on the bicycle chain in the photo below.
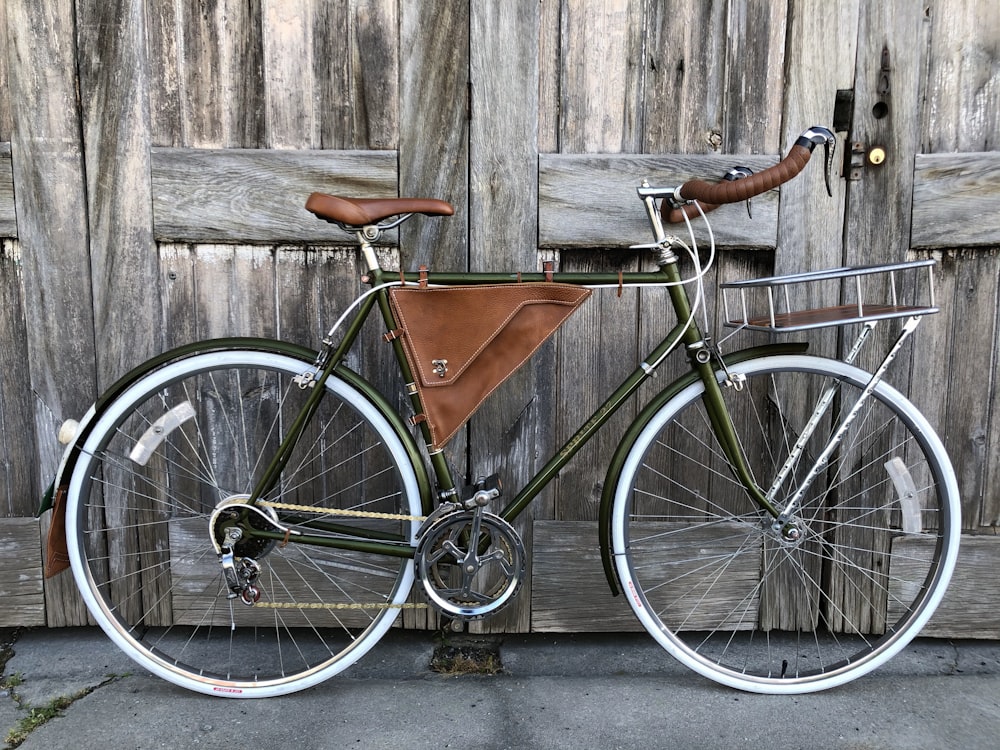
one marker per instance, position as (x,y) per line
(340,512)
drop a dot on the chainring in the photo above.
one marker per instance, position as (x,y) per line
(471,563)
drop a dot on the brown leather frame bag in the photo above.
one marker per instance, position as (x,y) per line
(462,342)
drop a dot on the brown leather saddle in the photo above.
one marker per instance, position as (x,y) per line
(360,212)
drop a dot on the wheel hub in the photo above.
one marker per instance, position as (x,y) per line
(234,511)
(790,533)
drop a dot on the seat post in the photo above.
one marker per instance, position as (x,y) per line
(367,235)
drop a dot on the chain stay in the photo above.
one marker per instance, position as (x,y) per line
(339,606)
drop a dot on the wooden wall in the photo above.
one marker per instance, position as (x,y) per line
(155,156)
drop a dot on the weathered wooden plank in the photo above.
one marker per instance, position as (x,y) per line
(313,286)
(755,75)
(961,102)
(52,233)
(683,107)
(434,145)
(177,290)
(21,573)
(433,93)
(965,426)
(601,79)
(434,60)
(292,118)
(254,195)
(590,200)
(549,50)
(989,514)
(234,291)
(932,346)
(597,351)
(8,217)
(164,82)
(19,481)
(571,592)
(968,609)
(302,74)
(511,435)
(355,55)
(217,290)
(220,74)
(50,203)
(691,98)
(111,44)
(955,198)
(886,105)
(616,95)
(810,225)
(6,124)
(206,71)
(575,597)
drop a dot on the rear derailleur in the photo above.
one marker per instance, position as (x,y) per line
(241,573)
(231,527)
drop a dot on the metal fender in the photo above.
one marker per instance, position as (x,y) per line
(640,422)
(82,430)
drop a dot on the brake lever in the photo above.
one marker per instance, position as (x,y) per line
(815,136)
(738,173)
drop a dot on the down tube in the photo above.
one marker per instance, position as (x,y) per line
(597,420)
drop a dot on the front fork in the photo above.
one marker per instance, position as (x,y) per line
(723,427)
(705,364)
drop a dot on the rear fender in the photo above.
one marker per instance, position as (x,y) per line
(72,453)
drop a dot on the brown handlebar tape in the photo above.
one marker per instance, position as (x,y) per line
(711,195)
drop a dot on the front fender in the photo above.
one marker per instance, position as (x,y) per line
(640,422)
(308,356)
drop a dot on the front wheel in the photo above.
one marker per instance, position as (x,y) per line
(875,542)
(169,466)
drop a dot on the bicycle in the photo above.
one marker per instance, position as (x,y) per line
(247,517)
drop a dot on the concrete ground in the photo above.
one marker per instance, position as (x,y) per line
(603,692)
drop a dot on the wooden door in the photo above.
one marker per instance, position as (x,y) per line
(160,153)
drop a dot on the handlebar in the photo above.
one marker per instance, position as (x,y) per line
(740,184)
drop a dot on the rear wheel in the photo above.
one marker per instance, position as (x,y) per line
(169,467)
(745,605)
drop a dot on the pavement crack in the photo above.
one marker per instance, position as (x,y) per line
(38,716)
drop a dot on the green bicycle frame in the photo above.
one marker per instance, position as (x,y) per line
(686,333)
